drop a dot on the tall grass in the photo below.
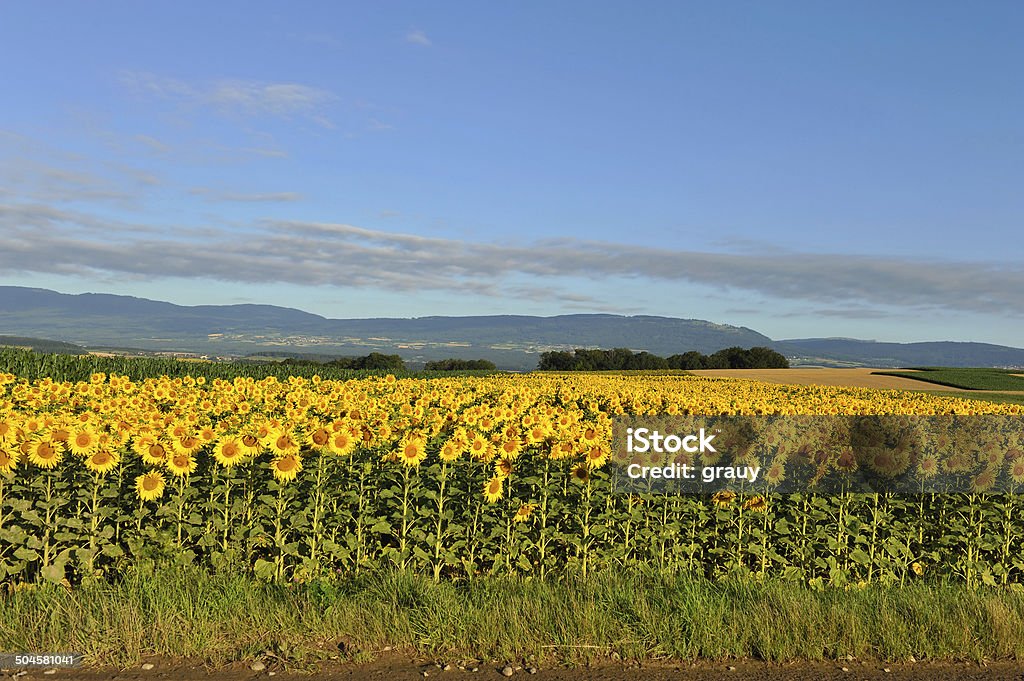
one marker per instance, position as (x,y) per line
(186,613)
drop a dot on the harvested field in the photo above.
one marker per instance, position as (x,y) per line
(853,378)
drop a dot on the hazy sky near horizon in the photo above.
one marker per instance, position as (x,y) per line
(801,168)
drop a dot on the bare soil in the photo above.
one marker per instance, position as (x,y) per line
(405,669)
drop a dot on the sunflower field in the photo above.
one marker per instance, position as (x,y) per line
(307,478)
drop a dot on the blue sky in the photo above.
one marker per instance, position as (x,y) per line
(805,169)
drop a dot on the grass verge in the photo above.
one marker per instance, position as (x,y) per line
(184,613)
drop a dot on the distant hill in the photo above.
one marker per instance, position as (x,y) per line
(872,353)
(41,345)
(511,341)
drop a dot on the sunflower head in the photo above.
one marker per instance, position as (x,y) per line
(413,451)
(44,452)
(8,459)
(181,464)
(228,451)
(523,514)
(319,439)
(252,444)
(286,468)
(581,474)
(153,452)
(503,467)
(450,451)
(597,456)
(756,503)
(150,486)
(83,441)
(102,461)
(283,443)
(493,489)
(723,498)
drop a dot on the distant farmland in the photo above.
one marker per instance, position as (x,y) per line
(852,378)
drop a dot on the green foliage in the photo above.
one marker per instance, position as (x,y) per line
(347,515)
(600,360)
(623,359)
(34,366)
(460,365)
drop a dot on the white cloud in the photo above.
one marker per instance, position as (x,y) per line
(40,238)
(239,97)
(418,37)
(215,196)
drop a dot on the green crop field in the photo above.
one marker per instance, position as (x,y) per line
(967,379)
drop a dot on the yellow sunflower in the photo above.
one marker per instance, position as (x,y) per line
(723,498)
(182,463)
(413,451)
(8,431)
(186,444)
(756,503)
(523,514)
(150,486)
(480,448)
(152,451)
(984,481)
(8,459)
(450,451)
(286,468)
(597,456)
(319,439)
(342,442)
(252,444)
(493,489)
(776,472)
(1016,471)
(928,467)
(283,443)
(102,461)
(510,448)
(228,451)
(503,467)
(83,441)
(44,453)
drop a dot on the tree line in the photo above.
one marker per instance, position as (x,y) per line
(623,359)
(376,361)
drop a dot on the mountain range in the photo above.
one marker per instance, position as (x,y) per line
(512,341)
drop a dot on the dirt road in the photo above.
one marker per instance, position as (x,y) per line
(417,670)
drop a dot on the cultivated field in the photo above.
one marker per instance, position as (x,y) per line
(479,517)
(854,378)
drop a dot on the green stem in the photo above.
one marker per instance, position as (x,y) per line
(404,536)
(439,529)
(542,542)
(318,501)
(279,532)
(49,519)
(227,512)
(94,523)
(181,505)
